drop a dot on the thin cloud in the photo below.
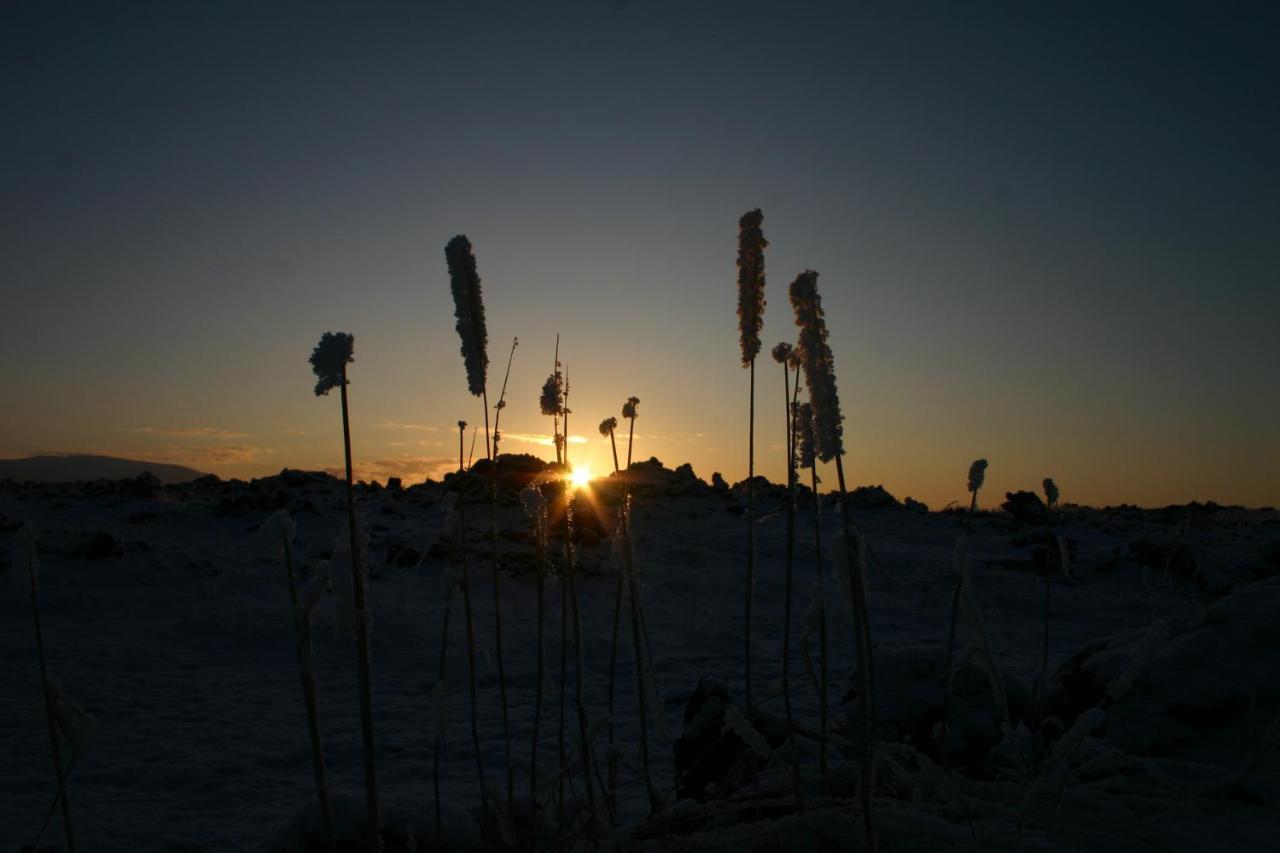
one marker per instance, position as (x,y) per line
(192,432)
(414,427)
(540,439)
(410,469)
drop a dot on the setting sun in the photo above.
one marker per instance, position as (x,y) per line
(581,476)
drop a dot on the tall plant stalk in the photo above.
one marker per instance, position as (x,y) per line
(803,440)
(819,373)
(751,246)
(782,354)
(1051,505)
(329,362)
(306,672)
(472,331)
(535,505)
(26,552)
(502,399)
(977,473)
(579,665)
(607,428)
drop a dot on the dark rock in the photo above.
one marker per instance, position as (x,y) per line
(915,505)
(711,762)
(1026,508)
(872,497)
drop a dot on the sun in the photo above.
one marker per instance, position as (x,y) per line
(581,476)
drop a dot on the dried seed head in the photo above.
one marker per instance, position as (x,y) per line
(608,425)
(329,360)
(802,419)
(629,408)
(552,399)
(1050,492)
(751,246)
(462,424)
(819,366)
(783,353)
(977,474)
(468,307)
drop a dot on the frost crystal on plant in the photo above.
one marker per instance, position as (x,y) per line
(802,419)
(329,360)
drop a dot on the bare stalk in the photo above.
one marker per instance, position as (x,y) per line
(944,747)
(302,627)
(751,530)
(579,695)
(862,626)
(789,562)
(497,606)
(362,636)
(48,706)
(540,535)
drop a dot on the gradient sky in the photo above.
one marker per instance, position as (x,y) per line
(1047,233)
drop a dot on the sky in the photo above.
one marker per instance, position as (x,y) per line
(1046,234)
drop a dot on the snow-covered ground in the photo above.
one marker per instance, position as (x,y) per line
(164,620)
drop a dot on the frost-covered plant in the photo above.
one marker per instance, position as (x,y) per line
(630,411)
(627,578)
(551,403)
(751,246)
(329,360)
(278,533)
(468,308)
(451,582)
(565,411)
(963,594)
(25,561)
(782,353)
(819,376)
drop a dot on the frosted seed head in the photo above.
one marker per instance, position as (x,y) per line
(608,425)
(819,366)
(751,246)
(783,353)
(802,419)
(468,308)
(629,408)
(329,360)
(551,401)
(977,474)
(1050,492)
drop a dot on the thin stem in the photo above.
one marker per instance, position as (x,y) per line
(579,695)
(789,562)
(751,531)
(862,632)
(944,748)
(471,649)
(497,609)
(613,645)
(49,712)
(824,646)
(362,637)
(540,534)
(439,735)
(502,398)
(302,627)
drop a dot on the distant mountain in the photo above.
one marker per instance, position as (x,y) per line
(75,468)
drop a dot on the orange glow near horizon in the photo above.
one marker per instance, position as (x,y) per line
(581,477)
